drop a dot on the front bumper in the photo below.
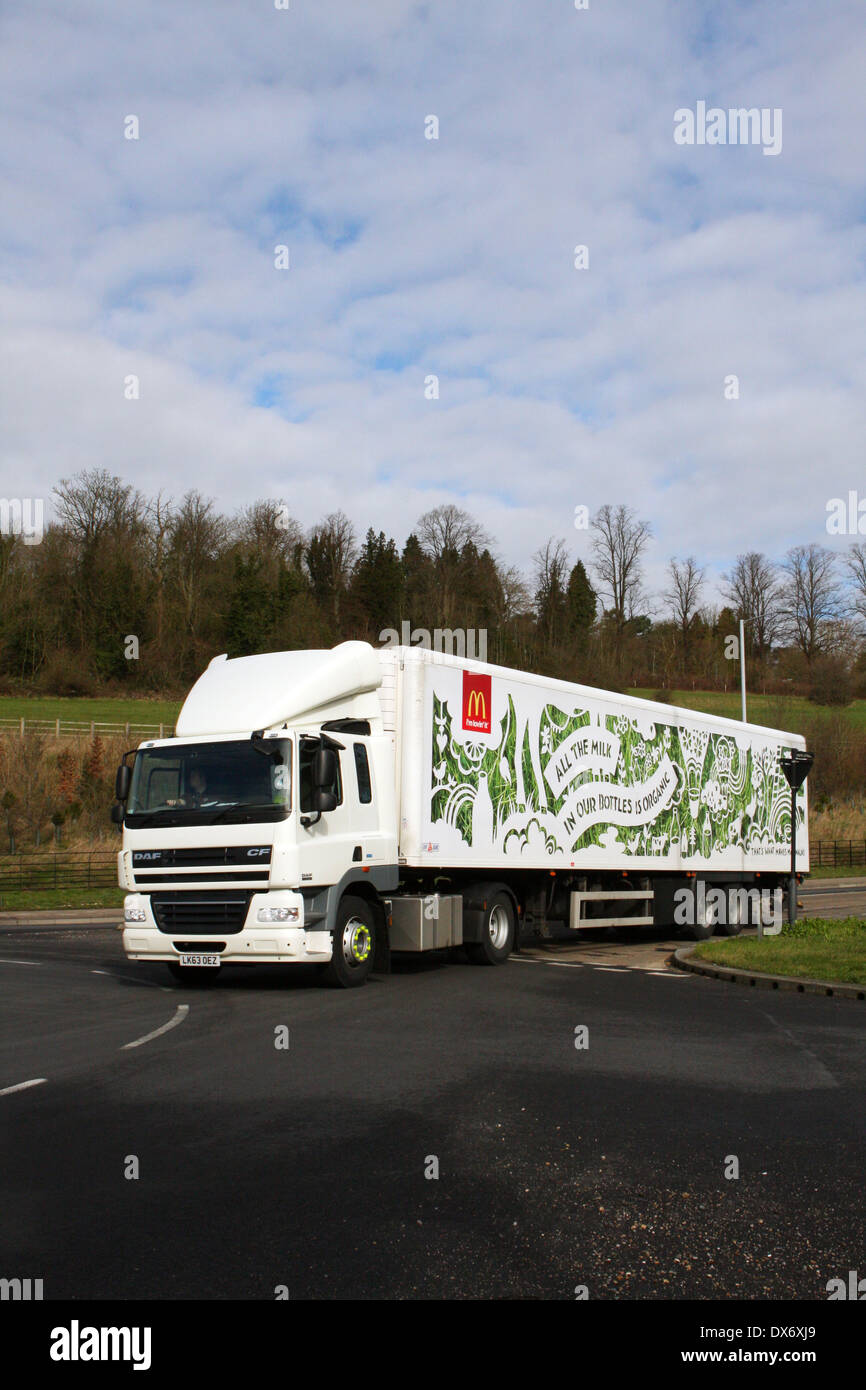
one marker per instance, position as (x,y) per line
(259,943)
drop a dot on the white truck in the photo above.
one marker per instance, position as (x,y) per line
(333,807)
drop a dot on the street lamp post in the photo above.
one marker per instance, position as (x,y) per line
(743,666)
(796,769)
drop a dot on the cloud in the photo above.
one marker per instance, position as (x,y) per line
(411,256)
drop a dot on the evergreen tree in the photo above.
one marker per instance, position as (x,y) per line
(581,604)
(377,584)
(251,608)
(417,583)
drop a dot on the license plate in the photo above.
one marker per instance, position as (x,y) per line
(199,960)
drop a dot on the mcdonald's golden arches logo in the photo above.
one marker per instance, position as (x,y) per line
(477,702)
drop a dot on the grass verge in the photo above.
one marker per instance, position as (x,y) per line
(815,948)
(827,871)
(53,899)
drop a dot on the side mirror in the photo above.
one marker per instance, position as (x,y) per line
(324,779)
(122,782)
(324,769)
(117,813)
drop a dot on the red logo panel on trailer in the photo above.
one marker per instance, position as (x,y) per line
(477,702)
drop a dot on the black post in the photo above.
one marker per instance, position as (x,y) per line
(796,770)
(792,881)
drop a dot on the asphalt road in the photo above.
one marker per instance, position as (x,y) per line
(305,1167)
(838,897)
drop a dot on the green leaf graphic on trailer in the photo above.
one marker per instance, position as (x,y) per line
(570,781)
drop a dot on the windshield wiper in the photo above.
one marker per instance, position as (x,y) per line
(145,817)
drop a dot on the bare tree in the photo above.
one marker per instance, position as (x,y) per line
(159,520)
(811,603)
(515,595)
(444,535)
(449,529)
(551,583)
(198,536)
(267,529)
(752,589)
(855,563)
(94,504)
(330,556)
(617,547)
(683,596)
(31,786)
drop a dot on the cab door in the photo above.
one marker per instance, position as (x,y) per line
(334,842)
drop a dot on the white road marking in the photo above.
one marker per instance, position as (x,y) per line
(5,960)
(23,1085)
(180,1014)
(608,969)
(100,972)
(533,960)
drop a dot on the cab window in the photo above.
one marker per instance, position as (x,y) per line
(362,771)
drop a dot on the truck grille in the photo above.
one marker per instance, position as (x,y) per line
(208,913)
(209,857)
(167,868)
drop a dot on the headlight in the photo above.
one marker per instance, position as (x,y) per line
(277,914)
(134,914)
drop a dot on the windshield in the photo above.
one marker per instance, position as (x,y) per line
(200,783)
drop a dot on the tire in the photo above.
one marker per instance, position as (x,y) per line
(497,941)
(194,976)
(703,930)
(354,945)
(732,926)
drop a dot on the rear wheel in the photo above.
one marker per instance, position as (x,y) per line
(497,939)
(734,919)
(706,920)
(354,945)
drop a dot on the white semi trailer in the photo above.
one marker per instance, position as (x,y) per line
(332,807)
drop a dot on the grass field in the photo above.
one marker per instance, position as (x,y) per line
(815,948)
(760,708)
(118,711)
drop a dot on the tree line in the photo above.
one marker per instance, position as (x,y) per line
(128,593)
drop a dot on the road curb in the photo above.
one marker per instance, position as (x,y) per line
(835,989)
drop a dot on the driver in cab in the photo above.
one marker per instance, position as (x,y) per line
(196,795)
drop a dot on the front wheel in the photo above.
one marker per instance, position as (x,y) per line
(354,945)
(497,938)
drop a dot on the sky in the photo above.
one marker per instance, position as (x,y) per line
(411,257)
